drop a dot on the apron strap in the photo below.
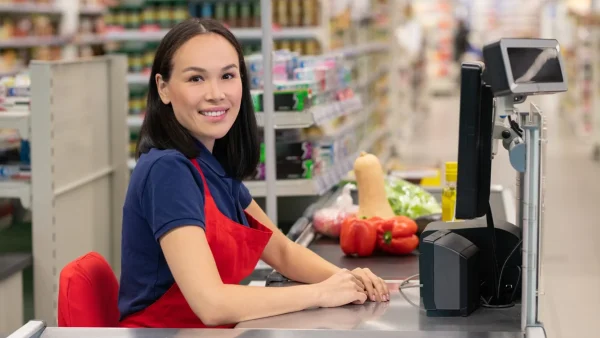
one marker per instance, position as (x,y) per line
(206,190)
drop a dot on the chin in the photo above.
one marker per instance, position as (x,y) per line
(214,134)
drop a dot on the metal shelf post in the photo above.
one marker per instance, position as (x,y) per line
(269,109)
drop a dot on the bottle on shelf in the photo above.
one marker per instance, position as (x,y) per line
(449,192)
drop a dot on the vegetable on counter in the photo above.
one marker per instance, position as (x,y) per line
(328,221)
(410,200)
(397,235)
(370,180)
(358,236)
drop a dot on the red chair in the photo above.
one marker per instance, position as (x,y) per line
(87,294)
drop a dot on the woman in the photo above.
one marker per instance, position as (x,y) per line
(191,230)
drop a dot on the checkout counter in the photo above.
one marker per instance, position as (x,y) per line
(517,68)
(400,317)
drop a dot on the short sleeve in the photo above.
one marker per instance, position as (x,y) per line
(245,197)
(172,196)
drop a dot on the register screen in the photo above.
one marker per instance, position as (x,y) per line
(535,65)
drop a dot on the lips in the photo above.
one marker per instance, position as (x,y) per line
(214,114)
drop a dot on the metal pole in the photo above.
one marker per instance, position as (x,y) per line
(266,13)
(530,220)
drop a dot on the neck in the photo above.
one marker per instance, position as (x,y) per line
(209,143)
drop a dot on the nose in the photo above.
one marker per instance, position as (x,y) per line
(214,92)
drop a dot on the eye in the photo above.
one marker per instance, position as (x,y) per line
(228,76)
(196,78)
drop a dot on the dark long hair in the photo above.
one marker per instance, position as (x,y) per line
(239,150)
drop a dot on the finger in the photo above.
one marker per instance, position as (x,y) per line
(379,284)
(357,280)
(385,287)
(371,291)
(376,282)
(359,289)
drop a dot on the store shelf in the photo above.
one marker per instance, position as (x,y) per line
(240,33)
(33,41)
(138,78)
(305,187)
(11,72)
(16,120)
(353,51)
(318,185)
(381,71)
(90,39)
(16,189)
(315,116)
(29,8)
(92,10)
(135,121)
(278,34)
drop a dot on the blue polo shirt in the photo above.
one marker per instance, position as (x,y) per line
(166,191)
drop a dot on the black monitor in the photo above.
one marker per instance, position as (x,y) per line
(524,67)
(475,143)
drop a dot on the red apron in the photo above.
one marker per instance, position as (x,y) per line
(236,249)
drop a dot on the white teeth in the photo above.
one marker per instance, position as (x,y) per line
(213,113)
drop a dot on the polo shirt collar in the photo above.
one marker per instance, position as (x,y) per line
(210,160)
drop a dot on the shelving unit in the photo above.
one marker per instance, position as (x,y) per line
(359,48)
(79,172)
(16,120)
(34,8)
(17,189)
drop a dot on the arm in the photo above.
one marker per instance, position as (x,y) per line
(303,265)
(291,259)
(216,303)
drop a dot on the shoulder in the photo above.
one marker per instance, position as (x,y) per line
(157,159)
(165,168)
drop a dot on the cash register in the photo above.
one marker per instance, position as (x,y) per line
(481,260)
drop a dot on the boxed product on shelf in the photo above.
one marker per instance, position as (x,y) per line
(290,151)
(288,170)
(291,100)
(137,100)
(151,15)
(134,135)
(15,92)
(20,25)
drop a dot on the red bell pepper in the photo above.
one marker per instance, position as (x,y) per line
(397,235)
(358,237)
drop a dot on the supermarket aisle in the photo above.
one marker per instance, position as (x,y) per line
(569,307)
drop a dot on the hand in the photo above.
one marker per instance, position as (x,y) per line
(341,289)
(375,287)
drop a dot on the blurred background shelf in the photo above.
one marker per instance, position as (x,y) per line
(16,120)
(29,8)
(16,189)
(34,41)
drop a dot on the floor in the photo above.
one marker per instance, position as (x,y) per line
(570,302)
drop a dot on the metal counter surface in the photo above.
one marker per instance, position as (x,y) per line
(396,315)
(237,333)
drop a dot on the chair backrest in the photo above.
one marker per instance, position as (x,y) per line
(88,293)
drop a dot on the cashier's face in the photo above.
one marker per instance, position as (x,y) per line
(205,88)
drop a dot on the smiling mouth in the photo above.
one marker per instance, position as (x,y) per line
(214,113)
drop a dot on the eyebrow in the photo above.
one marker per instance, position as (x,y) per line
(202,70)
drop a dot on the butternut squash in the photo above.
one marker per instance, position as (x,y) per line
(370,181)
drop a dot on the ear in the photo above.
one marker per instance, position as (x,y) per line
(163,89)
